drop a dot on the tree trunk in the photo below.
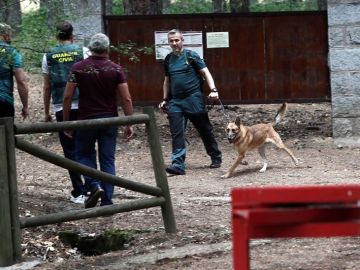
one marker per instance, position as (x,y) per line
(10,12)
(322,4)
(218,6)
(239,6)
(142,7)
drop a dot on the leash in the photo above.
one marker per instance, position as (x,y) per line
(226,116)
(224,112)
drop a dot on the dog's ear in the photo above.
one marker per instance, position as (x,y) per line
(238,121)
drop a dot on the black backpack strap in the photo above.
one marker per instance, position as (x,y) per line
(166,62)
(166,66)
(190,59)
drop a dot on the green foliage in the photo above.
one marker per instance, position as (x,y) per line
(132,51)
(189,6)
(284,5)
(205,6)
(117,7)
(33,39)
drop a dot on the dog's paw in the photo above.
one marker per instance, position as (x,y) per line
(263,169)
(227,175)
(244,162)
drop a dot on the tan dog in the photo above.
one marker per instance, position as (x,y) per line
(246,138)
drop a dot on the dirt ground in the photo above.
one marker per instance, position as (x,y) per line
(200,198)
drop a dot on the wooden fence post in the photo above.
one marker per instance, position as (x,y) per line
(6,246)
(12,193)
(159,170)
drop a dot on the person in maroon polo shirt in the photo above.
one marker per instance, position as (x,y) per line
(102,88)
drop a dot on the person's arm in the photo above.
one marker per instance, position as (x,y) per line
(68,94)
(208,77)
(166,90)
(46,89)
(210,82)
(46,98)
(23,90)
(124,99)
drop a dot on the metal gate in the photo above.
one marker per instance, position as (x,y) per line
(272,57)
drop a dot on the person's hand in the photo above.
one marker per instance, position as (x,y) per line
(24,112)
(47,118)
(163,106)
(214,95)
(129,133)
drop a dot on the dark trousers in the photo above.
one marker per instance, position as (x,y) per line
(202,124)
(105,138)
(6,109)
(69,149)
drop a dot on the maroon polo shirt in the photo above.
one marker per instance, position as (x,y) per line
(97,78)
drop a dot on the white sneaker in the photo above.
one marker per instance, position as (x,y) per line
(79,199)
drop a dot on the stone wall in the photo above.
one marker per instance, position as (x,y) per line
(86,18)
(344,64)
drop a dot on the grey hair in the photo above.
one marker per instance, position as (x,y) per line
(174,31)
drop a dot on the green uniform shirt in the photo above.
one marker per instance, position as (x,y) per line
(60,60)
(185,82)
(10,59)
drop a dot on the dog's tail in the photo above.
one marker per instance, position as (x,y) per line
(280,114)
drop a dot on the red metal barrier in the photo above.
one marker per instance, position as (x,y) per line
(301,211)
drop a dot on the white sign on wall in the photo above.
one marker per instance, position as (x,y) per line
(217,39)
(192,41)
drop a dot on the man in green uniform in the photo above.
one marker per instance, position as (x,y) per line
(184,99)
(56,67)
(11,66)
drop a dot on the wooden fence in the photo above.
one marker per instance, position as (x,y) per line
(10,222)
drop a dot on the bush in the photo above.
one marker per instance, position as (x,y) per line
(117,7)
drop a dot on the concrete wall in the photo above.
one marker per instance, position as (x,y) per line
(344,61)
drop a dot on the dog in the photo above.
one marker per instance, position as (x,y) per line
(246,138)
